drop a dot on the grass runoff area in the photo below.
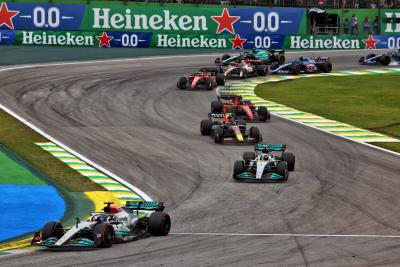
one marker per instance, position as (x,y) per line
(370,102)
(21,140)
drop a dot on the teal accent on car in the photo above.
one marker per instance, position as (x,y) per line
(147,205)
(122,233)
(271,147)
(260,54)
(82,242)
(49,242)
(246,175)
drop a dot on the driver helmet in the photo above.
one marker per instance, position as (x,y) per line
(228,117)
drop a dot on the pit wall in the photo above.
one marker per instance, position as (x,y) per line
(184,26)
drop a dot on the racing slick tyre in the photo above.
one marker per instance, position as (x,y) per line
(274,65)
(216,106)
(52,229)
(206,127)
(281,60)
(243,74)
(290,159)
(361,60)
(219,135)
(325,67)
(225,56)
(263,114)
(103,235)
(238,167)
(209,85)
(282,169)
(247,156)
(255,133)
(220,79)
(384,60)
(159,223)
(295,69)
(182,83)
(262,70)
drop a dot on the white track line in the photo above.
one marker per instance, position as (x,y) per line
(288,235)
(78,155)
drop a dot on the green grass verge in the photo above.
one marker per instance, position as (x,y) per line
(20,139)
(370,102)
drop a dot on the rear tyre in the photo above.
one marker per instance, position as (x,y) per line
(295,69)
(385,60)
(290,159)
(238,167)
(205,127)
(255,133)
(182,83)
(216,106)
(247,156)
(281,60)
(220,79)
(282,169)
(325,67)
(103,235)
(219,135)
(52,229)
(159,223)
(274,65)
(263,114)
(262,70)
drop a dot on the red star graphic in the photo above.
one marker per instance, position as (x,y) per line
(225,21)
(237,42)
(6,16)
(370,43)
(104,40)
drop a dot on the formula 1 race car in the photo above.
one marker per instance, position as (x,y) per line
(383,59)
(207,78)
(223,129)
(116,224)
(266,57)
(263,165)
(244,69)
(303,65)
(241,109)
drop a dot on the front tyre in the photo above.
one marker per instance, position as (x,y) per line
(103,235)
(238,168)
(219,135)
(182,83)
(290,159)
(52,229)
(159,223)
(206,127)
(282,169)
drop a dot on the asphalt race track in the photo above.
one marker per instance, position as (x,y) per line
(129,118)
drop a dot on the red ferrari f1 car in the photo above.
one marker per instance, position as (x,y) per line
(241,109)
(205,78)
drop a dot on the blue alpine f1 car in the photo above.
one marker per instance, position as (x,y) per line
(303,65)
(383,59)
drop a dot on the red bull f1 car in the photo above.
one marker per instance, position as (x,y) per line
(115,224)
(383,59)
(223,129)
(269,163)
(241,109)
(303,65)
(205,78)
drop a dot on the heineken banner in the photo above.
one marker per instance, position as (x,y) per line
(177,27)
(390,21)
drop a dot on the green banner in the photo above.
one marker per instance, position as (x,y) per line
(390,21)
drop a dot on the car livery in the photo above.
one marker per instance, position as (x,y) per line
(303,65)
(205,78)
(264,165)
(245,69)
(116,224)
(266,57)
(241,109)
(383,59)
(229,131)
